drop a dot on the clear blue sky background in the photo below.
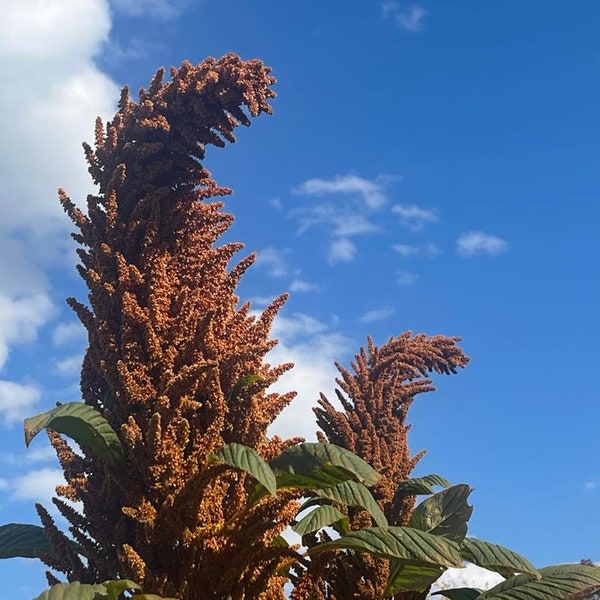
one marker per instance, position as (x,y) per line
(430,166)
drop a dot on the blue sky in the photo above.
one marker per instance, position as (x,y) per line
(430,165)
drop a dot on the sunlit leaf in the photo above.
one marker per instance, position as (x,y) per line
(245,458)
(82,423)
(317,519)
(496,558)
(445,513)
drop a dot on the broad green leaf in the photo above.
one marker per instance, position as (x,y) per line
(496,558)
(318,518)
(445,513)
(108,590)
(245,458)
(562,582)
(459,593)
(82,423)
(22,540)
(304,459)
(405,543)
(406,577)
(116,587)
(325,476)
(421,485)
(352,493)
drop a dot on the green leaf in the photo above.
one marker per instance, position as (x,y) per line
(239,385)
(459,593)
(108,590)
(561,582)
(405,543)
(82,423)
(406,577)
(245,458)
(352,493)
(318,518)
(421,485)
(496,558)
(445,513)
(304,459)
(22,540)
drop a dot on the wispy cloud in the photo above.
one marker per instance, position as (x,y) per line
(299,285)
(473,243)
(348,210)
(273,260)
(70,366)
(378,314)
(414,217)
(591,485)
(67,333)
(406,278)
(16,401)
(342,250)
(410,18)
(407,250)
(370,191)
(157,9)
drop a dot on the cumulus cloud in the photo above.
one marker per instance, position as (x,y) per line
(313,346)
(377,314)
(38,485)
(51,93)
(410,18)
(470,576)
(20,320)
(474,243)
(17,401)
(414,217)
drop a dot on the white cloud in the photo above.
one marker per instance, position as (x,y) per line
(406,250)
(347,212)
(29,455)
(410,18)
(273,260)
(470,576)
(38,485)
(371,192)
(313,347)
(66,333)
(70,366)
(20,320)
(158,9)
(477,242)
(407,278)
(51,93)
(591,485)
(378,314)
(17,401)
(299,285)
(414,217)
(342,250)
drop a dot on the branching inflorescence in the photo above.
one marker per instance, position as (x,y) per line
(167,345)
(177,368)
